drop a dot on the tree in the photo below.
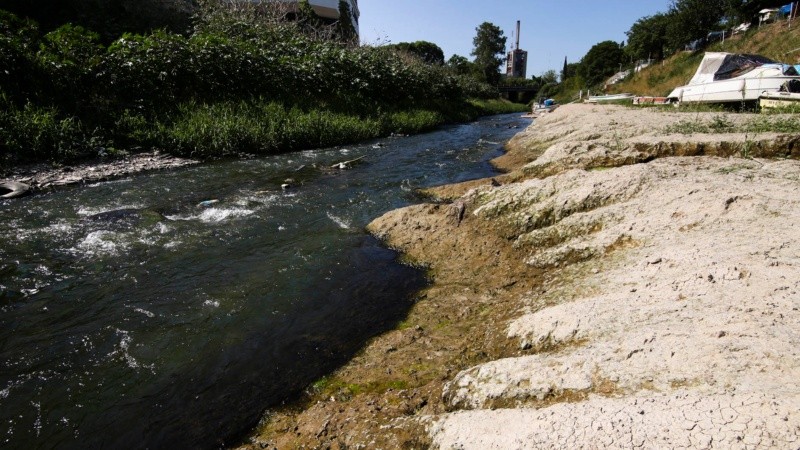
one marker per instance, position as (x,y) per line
(424,50)
(548,77)
(570,70)
(489,47)
(548,84)
(739,11)
(693,19)
(602,61)
(647,37)
(460,64)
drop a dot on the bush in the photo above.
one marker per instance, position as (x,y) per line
(70,56)
(240,82)
(38,134)
(18,41)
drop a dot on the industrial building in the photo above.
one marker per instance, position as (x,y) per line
(517,60)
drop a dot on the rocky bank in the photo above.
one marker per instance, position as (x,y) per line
(627,283)
(45,176)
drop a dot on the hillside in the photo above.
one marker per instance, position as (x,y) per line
(779,41)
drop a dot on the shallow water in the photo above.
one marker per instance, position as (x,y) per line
(172,308)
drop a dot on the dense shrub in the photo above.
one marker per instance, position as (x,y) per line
(70,56)
(31,134)
(18,42)
(237,83)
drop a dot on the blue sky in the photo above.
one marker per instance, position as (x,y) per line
(551,29)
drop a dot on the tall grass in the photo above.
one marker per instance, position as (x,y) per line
(263,127)
(32,133)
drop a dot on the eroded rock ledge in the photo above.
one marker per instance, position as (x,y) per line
(624,285)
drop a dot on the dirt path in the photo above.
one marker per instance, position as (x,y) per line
(625,284)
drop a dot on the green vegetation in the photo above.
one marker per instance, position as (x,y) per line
(241,81)
(602,61)
(424,50)
(489,45)
(776,41)
(720,124)
(334,387)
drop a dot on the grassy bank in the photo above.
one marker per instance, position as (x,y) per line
(235,84)
(779,41)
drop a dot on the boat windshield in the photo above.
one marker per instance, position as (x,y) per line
(737,65)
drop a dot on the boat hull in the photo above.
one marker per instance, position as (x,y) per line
(769,100)
(609,98)
(729,91)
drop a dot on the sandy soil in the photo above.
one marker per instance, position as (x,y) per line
(621,286)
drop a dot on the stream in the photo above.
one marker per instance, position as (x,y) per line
(170,309)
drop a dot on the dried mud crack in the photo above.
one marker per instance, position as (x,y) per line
(622,285)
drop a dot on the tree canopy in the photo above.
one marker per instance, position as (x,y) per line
(647,37)
(693,19)
(602,61)
(460,64)
(489,47)
(424,50)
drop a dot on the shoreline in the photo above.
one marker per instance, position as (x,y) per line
(44,176)
(601,210)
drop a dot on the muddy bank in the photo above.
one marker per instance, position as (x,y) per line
(627,283)
(47,176)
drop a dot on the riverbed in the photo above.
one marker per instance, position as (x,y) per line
(172,308)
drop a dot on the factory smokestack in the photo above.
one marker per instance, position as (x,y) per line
(517,61)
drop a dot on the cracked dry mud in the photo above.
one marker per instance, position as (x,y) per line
(622,287)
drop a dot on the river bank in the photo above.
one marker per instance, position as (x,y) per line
(630,280)
(45,176)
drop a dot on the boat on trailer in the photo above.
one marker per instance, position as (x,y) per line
(729,78)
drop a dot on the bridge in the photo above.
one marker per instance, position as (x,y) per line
(519,94)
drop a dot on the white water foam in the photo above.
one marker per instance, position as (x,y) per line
(87,211)
(343,224)
(123,350)
(103,183)
(212,303)
(59,229)
(145,312)
(102,242)
(215,215)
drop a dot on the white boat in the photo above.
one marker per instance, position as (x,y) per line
(609,98)
(772,100)
(728,77)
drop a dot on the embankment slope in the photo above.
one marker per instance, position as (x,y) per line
(623,285)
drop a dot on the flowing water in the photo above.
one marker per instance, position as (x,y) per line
(170,309)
